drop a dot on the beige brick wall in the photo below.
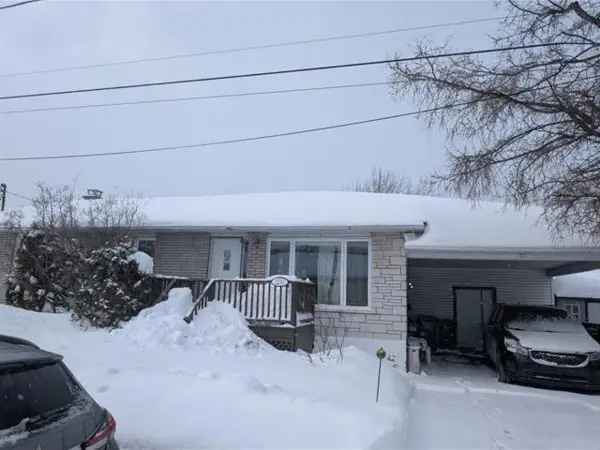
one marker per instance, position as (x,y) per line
(256,258)
(386,319)
(183,254)
(8,240)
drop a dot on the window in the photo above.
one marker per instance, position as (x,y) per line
(320,262)
(593,312)
(339,268)
(146,246)
(31,391)
(279,258)
(357,273)
(226,260)
(581,310)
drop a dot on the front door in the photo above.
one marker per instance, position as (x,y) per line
(225,257)
(472,312)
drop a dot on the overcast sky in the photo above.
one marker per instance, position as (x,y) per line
(50,34)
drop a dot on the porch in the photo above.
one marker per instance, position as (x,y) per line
(279,309)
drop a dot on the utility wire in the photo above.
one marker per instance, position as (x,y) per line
(279,72)
(14,194)
(238,140)
(262,137)
(207,97)
(252,47)
(194,98)
(14,5)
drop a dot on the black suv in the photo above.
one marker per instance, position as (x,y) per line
(43,407)
(540,345)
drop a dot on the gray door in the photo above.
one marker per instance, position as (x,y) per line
(473,309)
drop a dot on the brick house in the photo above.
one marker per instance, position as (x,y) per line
(376,259)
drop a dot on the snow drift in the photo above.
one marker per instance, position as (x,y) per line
(218,327)
(166,395)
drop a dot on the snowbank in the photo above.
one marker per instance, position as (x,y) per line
(144,261)
(168,397)
(218,327)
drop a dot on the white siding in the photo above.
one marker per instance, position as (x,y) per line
(431,291)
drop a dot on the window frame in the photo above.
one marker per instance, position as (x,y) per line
(145,238)
(343,242)
(584,302)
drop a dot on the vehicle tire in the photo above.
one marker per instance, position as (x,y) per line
(503,377)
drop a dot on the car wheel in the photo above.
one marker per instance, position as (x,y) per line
(503,377)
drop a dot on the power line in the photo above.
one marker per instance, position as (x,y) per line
(14,5)
(261,137)
(238,140)
(279,72)
(252,47)
(14,194)
(194,98)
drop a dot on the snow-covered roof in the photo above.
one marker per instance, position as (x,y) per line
(577,285)
(450,222)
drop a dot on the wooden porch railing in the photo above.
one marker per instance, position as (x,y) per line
(276,299)
(162,284)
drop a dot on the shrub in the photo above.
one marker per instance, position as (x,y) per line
(113,290)
(47,271)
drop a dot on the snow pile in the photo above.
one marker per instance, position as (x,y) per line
(144,261)
(218,327)
(167,397)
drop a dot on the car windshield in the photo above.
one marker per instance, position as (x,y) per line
(540,319)
(33,391)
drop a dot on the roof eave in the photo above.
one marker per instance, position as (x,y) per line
(548,253)
(413,228)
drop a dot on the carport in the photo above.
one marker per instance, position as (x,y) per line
(456,288)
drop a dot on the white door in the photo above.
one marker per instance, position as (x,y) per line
(225,257)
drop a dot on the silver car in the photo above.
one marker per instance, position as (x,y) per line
(43,407)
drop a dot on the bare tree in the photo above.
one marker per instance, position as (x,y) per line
(115,212)
(12,220)
(388,182)
(524,123)
(60,208)
(56,206)
(383,181)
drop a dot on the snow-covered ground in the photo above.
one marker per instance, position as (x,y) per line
(215,385)
(462,406)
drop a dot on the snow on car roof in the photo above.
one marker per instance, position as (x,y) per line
(577,285)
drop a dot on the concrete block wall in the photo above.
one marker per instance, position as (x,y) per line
(8,242)
(183,254)
(256,257)
(386,318)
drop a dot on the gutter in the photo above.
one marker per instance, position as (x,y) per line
(417,229)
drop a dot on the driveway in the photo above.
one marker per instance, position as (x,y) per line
(460,405)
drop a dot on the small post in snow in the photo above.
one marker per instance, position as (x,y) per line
(380,354)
